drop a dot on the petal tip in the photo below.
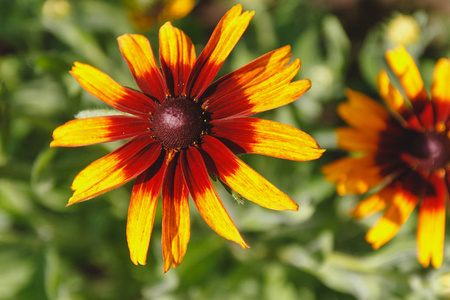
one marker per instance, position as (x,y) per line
(134,261)
(295,208)
(306,82)
(355,214)
(138,261)
(244,244)
(319,151)
(121,37)
(424,262)
(395,50)
(237,7)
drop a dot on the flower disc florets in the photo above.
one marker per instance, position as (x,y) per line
(429,151)
(179,123)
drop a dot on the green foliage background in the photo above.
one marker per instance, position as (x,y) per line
(48,251)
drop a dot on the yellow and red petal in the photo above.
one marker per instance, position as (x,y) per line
(141,212)
(404,67)
(254,72)
(175,224)
(115,169)
(440,90)
(205,197)
(373,203)
(106,89)
(139,56)
(363,113)
(252,135)
(403,202)
(89,131)
(241,178)
(431,224)
(225,36)
(354,175)
(177,56)
(351,139)
(395,101)
(390,94)
(271,93)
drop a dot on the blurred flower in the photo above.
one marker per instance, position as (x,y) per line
(182,127)
(403,30)
(145,16)
(56,9)
(405,152)
(444,285)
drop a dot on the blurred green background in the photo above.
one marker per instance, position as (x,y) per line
(48,251)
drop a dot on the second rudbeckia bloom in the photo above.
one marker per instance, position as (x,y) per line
(404,151)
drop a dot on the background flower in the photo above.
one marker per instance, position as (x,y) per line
(146,14)
(406,154)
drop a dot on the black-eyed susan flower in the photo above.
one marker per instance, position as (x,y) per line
(181,127)
(146,14)
(403,30)
(404,151)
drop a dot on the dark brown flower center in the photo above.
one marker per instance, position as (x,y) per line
(178,123)
(428,151)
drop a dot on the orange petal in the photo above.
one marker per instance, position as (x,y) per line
(139,56)
(176,224)
(372,204)
(104,88)
(243,179)
(403,65)
(82,132)
(440,90)
(205,196)
(403,203)
(141,212)
(177,56)
(253,73)
(355,140)
(353,175)
(115,169)
(390,94)
(395,101)
(225,36)
(363,113)
(266,137)
(274,92)
(431,225)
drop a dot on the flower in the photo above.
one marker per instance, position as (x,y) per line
(403,30)
(405,152)
(181,128)
(145,14)
(56,9)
